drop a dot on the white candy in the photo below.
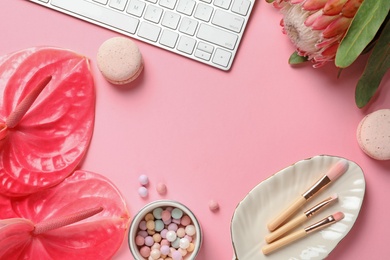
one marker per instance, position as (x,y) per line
(143,192)
(171,236)
(184,243)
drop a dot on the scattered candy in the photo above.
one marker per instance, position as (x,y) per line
(173,233)
(143,179)
(213,205)
(161,188)
(143,192)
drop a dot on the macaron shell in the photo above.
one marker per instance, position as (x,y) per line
(119,60)
(373,134)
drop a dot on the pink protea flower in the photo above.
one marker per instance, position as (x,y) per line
(316,27)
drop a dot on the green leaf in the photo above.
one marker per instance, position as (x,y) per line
(377,65)
(295,58)
(269,1)
(362,30)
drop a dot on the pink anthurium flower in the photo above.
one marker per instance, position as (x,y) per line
(47,108)
(84,217)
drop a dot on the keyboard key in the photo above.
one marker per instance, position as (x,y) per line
(103,2)
(153,13)
(169,38)
(241,6)
(171,20)
(205,47)
(186,6)
(188,26)
(222,3)
(203,12)
(170,4)
(99,13)
(149,31)
(136,7)
(202,54)
(186,44)
(228,21)
(217,36)
(118,4)
(222,57)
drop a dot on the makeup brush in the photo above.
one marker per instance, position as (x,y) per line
(334,172)
(267,249)
(300,219)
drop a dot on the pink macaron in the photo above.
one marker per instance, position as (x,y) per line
(373,134)
(119,60)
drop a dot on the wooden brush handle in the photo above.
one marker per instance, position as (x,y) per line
(285,228)
(274,224)
(267,249)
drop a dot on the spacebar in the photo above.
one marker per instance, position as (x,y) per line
(99,14)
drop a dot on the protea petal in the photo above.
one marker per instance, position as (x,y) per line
(323,21)
(334,7)
(338,26)
(311,19)
(328,42)
(296,1)
(350,8)
(313,5)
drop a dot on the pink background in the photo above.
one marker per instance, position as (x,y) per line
(210,134)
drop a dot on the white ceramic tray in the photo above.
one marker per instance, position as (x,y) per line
(267,199)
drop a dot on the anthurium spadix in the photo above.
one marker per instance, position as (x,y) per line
(84,217)
(47,108)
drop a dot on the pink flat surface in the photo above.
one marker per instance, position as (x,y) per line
(210,134)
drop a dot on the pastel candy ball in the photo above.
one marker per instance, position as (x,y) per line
(149,241)
(150,225)
(184,243)
(171,236)
(176,255)
(157,213)
(190,230)
(164,249)
(186,220)
(159,225)
(173,226)
(181,232)
(143,233)
(155,253)
(142,225)
(143,192)
(213,205)
(191,247)
(166,215)
(157,238)
(161,188)
(163,233)
(176,243)
(143,179)
(139,240)
(177,213)
(145,251)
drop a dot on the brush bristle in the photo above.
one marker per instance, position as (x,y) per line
(337,170)
(334,196)
(338,216)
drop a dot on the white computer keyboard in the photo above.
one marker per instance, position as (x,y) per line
(208,31)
